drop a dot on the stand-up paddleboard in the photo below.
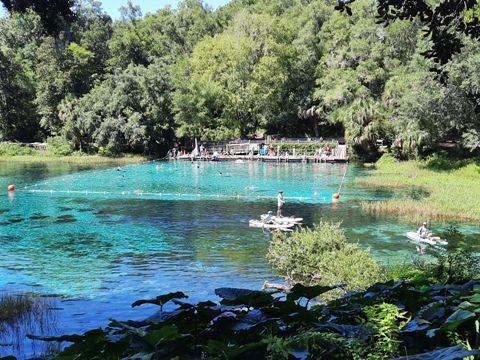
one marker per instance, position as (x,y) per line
(434,240)
(275,225)
(289,219)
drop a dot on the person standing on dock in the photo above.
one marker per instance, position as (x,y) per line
(280,202)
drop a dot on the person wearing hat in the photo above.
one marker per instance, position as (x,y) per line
(424,231)
(280,202)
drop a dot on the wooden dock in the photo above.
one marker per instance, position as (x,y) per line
(270,159)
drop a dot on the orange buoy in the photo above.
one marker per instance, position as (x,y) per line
(336,195)
(11,187)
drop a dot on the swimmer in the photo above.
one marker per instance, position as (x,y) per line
(119,168)
(220,173)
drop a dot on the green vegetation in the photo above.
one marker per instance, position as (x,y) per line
(393,319)
(46,153)
(142,83)
(452,188)
(94,86)
(457,261)
(22,314)
(322,256)
(301,148)
(15,306)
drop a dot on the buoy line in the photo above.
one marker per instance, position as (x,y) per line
(87,173)
(161,194)
(337,194)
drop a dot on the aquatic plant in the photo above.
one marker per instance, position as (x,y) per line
(21,314)
(451,193)
(410,320)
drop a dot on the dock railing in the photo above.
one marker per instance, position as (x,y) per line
(254,146)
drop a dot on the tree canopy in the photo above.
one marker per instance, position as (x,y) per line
(313,68)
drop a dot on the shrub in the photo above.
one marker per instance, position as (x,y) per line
(102,151)
(59,146)
(460,261)
(385,320)
(322,256)
(8,149)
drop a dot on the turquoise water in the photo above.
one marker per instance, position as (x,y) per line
(102,238)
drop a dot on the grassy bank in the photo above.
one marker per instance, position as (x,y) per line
(452,188)
(94,160)
(45,153)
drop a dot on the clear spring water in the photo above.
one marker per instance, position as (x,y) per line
(102,238)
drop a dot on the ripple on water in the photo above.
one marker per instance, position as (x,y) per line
(89,237)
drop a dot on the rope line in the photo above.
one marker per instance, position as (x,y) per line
(343,178)
(83,174)
(140,193)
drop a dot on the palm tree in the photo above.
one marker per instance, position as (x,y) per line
(364,124)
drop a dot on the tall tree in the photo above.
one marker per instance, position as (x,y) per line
(92,29)
(129,111)
(248,64)
(17,113)
(53,13)
(20,39)
(445,22)
(60,73)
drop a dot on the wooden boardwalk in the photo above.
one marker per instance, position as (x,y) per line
(269,159)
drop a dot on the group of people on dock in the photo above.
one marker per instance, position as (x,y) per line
(262,152)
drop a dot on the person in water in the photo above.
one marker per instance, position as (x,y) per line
(280,202)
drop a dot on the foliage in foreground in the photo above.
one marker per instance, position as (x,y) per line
(388,320)
(322,256)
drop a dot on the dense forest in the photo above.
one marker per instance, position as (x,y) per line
(253,67)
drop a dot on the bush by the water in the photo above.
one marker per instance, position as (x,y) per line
(322,256)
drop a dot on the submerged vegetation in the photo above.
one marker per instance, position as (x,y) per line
(451,188)
(350,312)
